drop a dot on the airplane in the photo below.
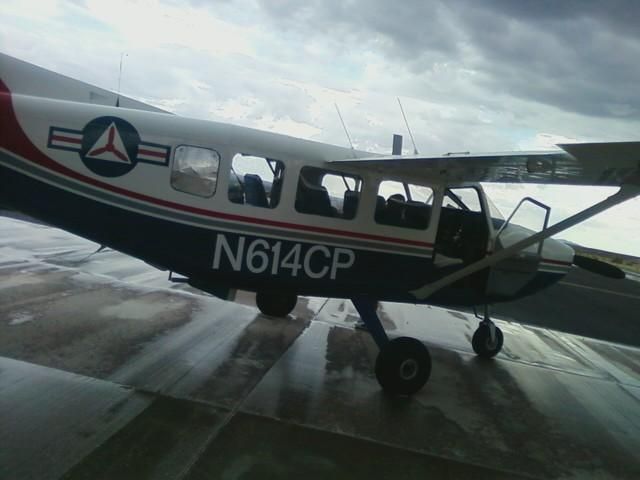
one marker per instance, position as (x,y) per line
(223,207)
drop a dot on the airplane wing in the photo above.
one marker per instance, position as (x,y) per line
(602,164)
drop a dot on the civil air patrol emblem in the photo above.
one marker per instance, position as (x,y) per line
(109,146)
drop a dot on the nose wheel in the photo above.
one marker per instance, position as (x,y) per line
(403,365)
(488,339)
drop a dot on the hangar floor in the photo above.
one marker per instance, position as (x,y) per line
(108,371)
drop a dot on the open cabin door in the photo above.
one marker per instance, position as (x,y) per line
(512,274)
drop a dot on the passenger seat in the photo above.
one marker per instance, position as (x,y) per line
(416,214)
(350,204)
(395,210)
(313,199)
(254,191)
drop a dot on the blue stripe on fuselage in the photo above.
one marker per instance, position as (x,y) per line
(190,250)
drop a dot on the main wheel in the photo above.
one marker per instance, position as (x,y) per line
(403,366)
(482,344)
(276,304)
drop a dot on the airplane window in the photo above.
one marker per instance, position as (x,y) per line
(256,181)
(403,205)
(326,193)
(195,170)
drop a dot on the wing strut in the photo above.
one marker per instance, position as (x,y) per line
(625,193)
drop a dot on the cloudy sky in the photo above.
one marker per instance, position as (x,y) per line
(472,75)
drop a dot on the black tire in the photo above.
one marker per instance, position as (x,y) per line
(276,304)
(403,366)
(481,342)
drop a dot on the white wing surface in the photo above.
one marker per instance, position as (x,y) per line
(603,164)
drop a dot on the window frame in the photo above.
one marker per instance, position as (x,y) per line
(278,172)
(173,163)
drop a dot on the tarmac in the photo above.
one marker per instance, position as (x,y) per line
(107,370)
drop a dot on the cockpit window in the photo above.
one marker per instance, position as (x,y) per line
(256,181)
(195,170)
(466,198)
(327,193)
(403,205)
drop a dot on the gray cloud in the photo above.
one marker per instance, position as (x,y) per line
(579,56)
(576,55)
(618,15)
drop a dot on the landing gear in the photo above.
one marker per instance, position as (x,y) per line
(487,339)
(403,364)
(276,304)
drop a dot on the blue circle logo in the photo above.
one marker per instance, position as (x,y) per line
(109,146)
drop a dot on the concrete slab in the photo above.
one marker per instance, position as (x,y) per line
(164,441)
(216,390)
(50,419)
(504,415)
(258,447)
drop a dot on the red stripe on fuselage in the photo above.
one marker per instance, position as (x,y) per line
(556,262)
(13,138)
(65,139)
(151,154)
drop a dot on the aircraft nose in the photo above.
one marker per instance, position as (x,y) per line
(598,267)
(5,110)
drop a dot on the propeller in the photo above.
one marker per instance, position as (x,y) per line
(598,267)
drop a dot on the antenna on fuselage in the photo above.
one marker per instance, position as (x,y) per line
(415,149)
(396,147)
(345,127)
(122,55)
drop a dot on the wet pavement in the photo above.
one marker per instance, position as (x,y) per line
(109,371)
